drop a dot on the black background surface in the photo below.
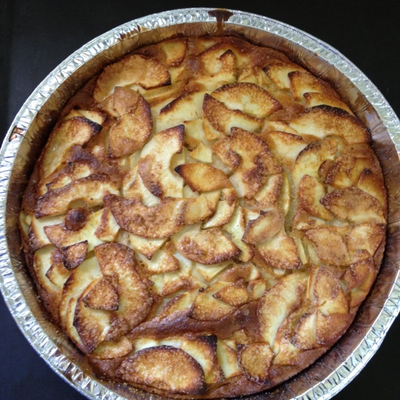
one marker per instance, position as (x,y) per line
(37,35)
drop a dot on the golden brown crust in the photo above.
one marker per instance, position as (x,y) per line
(205,219)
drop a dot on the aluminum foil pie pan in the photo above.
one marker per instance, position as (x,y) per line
(29,131)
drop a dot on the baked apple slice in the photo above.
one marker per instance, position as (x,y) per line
(155,163)
(134,69)
(164,368)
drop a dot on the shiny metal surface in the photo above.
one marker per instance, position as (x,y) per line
(35,119)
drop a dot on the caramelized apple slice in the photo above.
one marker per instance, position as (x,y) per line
(354,205)
(234,294)
(278,72)
(249,98)
(202,177)
(102,296)
(161,261)
(219,119)
(252,159)
(80,279)
(155,163)
(62,237)
(187,107)
(204,350)
(310,159)
(302,82)
(146,246)
(280,252)
(224,209)
(255,360)
(209,246)
(169,52)
(326,292)
(75,254)
(164,368)
(117,263)
(329,328)
(135,69)
(217,68)
(317,99)
(329,245)
(227,357)
(278,302)
(74,131)
(160,221)
(90,191)
(323,121)
(208,308)
(236,228)
(284,146)
(134,124)
(367,236)
(310,193)
(91,324)
(267,225)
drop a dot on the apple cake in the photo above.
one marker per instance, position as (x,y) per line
(205,218)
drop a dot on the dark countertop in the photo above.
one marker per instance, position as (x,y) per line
(35,36)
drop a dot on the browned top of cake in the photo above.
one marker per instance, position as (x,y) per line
(205,219)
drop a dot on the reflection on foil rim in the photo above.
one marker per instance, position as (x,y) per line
(23,142)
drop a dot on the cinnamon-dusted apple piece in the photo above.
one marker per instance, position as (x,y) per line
(186,107)
(266,226)
(329,245)
(250,158)
(89,190)
(317,99)
(164,368)
(155,163)
(209,246)
(224,210)
(278,302)
(284,146)
(354,205)
(279,71)
(133,124)
(302,82)
(310,193)
(202,177)
(218,119)
(248,98)
(322,121)
(207,306)
(74,131)
(255,360)
(280,252)
(218,67)
(62,236)
(118,265)
(134,69)
(234,294)
(170,53)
